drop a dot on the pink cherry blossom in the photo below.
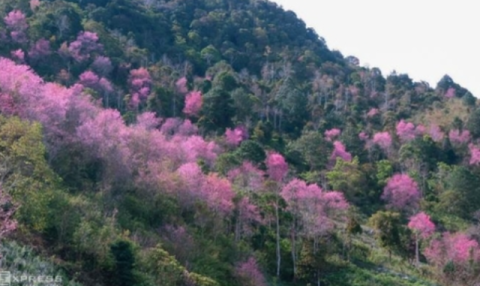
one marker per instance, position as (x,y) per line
(382,139)
(401,192)
(82,48)
(247,176)
(181,85)
(249,273)
(18,56)
(363,136)
(372,112)
(420,130)
(450,93)
(39,50)
(235,136)
(102,65)
(17,24)
(421,224)
(435,133)
(219,194)
(332,134)
(474,154)
(457,248)
(148,120)
(405,131)
(193,103)
(277,168)
(339,151)
(140,84)
(457,138)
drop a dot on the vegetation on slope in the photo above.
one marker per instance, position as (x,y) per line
(221,142)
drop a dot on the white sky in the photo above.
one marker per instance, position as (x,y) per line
(424,38)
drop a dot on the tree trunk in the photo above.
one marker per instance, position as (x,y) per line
(174,107)
(315,246)
(279,258)
(238,227)
(417,254)
(294,251)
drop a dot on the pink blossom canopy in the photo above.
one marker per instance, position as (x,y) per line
(421,224)
(276,166)
(193,103)
(401,192)
(382,139)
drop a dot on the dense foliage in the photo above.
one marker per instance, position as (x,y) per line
(220,142)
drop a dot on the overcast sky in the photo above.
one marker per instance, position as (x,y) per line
(424,38)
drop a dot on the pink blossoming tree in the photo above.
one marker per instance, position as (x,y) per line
(193,103)
(450,93)
(219,194)
(458,137)
(459,251)
(363,136)
(247,215)
(339,151)
(181,85)
(332,134)
(140,84)
(105,137)
(17,25)
(102,65)
(372,112)
(82,48)
(247,177)
(18,56)
(422,227)
(148,120)
(235,136)
(294,193)
(383,139)
(192,179)
(401,192)
(101,85)
(474,154)
(436,133)
(39,50)
(420,130)
(405,131)
(277,169)
(249,274)
(312,211)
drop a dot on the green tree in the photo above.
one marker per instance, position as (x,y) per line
(462,195)
(24,172)
(384,171)
(217,110)
(347,177)
(388,230)
(210,54)
(123,255)
(251,151)
(310,149)
(473,123)
(243,103)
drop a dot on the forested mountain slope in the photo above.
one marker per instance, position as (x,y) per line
(220,142)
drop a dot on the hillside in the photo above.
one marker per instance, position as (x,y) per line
(222,143)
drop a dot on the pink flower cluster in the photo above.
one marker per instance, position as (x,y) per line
(332,134)
(382,139)
(421,224)
(235,136)
(193,103)
(339,151)
(401,192)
